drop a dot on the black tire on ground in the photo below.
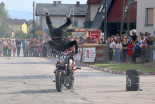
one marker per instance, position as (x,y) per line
(132,80)
(58,81)
(71,82)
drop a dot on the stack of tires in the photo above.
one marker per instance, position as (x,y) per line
(132,80)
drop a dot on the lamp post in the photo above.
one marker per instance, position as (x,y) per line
(128,21)
(122,19)
(105,21)
(73,16)
(33,20)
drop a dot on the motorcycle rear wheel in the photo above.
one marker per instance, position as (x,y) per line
(69,85)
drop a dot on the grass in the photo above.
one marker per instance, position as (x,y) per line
(147,67)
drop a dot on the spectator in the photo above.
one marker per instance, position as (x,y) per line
(18,45)
(1,47)
(124,50)
(13,47)
(149,41)
(45,45)
(40,48)
(118,47)
(31,48)
(111,48)
(9,49)
(5,47)
(130,51)
(23,44)
(134,36)
(137,49)
(26,50)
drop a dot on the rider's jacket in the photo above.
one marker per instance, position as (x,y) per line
(57,34)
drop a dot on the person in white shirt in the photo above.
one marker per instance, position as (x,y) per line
(111,47)
(13,47)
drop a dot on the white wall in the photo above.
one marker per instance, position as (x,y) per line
(141,16)
(93,11)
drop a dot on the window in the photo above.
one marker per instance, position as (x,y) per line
(149,16)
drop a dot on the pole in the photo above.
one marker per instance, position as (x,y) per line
(33,20)
(128,23)
(105,22)
(122,19)
(73,16)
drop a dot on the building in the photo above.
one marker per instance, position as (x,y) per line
(93,6)
(146,16)
(57,13)
(17,25)
(114,13)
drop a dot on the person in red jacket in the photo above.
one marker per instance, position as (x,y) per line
(130,51)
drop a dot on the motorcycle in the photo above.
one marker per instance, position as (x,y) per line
(64,73)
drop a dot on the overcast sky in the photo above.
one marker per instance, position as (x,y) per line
(26,5)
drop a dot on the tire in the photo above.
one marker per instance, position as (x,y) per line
(71,81)
(58,81)
(132,80)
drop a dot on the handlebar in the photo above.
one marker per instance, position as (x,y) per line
(71,53)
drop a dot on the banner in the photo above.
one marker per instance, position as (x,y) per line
(89,55)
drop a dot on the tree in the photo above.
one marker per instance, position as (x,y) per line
(29,36)
(4,31)
(20,35)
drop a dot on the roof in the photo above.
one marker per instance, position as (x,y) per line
(61,9)
(94,1)
(116,12)
(16,21)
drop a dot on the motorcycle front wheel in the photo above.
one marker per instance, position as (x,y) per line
(59,81)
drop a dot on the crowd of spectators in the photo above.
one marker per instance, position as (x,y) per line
(124,49)
(31,48)
(131,49)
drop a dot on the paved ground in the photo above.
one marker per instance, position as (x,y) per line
(25,80)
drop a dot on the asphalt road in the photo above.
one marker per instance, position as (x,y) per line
(28,80)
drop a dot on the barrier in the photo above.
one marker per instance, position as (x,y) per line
(101,52)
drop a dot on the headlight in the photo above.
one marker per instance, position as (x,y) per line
(62,59)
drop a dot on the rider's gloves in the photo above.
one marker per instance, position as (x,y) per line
(69,20)
(76,51)
(45,11)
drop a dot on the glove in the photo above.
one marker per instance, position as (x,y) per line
(45,11)
(68,13)
(76,52)
(69,20)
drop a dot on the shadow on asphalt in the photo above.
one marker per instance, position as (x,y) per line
(115,91)
(27,77)
(95,74)
(35,91)
(27,63)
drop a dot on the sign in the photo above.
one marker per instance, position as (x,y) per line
(79,54)
(94,34)
(39,32)
(89,55)
(45,31)
(78,34)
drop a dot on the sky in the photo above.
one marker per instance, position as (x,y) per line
(26,5)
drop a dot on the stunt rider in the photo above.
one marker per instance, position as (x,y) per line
(57,34)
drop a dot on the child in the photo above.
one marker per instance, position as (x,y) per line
(9,49)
